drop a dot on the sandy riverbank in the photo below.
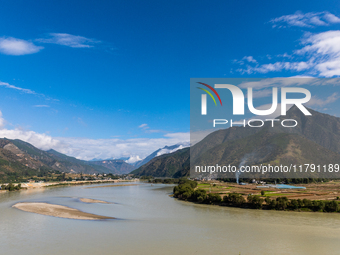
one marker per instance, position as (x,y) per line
(34,185)
(58,211)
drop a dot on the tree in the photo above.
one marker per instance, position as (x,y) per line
(255,201)
(235,199)
(294,204)
(332,206)
(263,192)
(199,195)
(272,204)
(214,198)
(281,203)
(268,200)
(318,205)
(307,203)
(300,203)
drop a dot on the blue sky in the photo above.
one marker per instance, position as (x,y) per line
(111,78)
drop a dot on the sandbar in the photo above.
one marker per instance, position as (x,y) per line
(58,211)
(90,200)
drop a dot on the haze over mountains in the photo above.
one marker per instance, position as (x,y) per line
(316,140)
(19,158)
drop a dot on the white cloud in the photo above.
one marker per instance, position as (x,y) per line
(146,129)
(133,159)
(276,67)
(281,82)
(27,91)
(245,59)
(86,148)
(41,106)
(143,126)
(2,121)
(310,19)
(315,101)
(322,53)
(7,85)
(284,55)
(73,41)
(179,147)
(17,47)
(249,59)
(298,80)
(41,141)
(323,49)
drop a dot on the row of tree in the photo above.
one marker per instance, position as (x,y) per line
(11,187)
(187,191)
(168,181)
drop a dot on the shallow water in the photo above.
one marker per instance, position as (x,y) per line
(151,222)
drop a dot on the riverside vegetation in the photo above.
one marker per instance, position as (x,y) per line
(187,190)
(11,187)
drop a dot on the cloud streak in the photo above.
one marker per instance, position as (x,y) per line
(26,91)
(310,20)
(41,106)
(73,41)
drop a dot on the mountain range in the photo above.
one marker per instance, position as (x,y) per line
(316,140)
(19,158)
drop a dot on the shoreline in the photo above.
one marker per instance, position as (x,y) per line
(317,198)
(264,208)
(59,211)
(39,185)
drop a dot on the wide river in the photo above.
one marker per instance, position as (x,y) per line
(151,222)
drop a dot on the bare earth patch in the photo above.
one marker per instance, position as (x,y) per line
(58,211)
(90,200)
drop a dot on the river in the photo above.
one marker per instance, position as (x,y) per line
(151,222)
